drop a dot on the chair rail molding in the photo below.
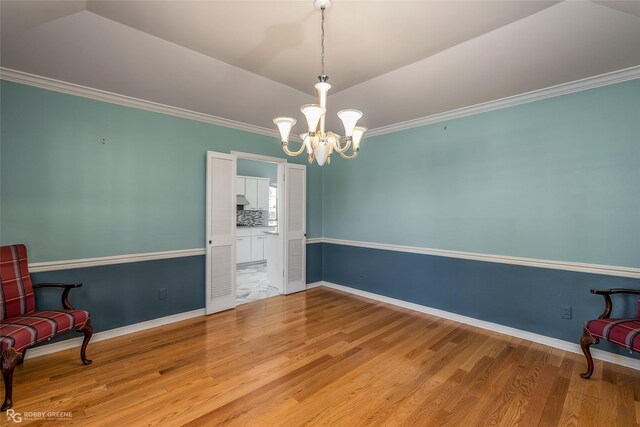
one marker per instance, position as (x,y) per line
(39,267)
(593,82)
(609,270)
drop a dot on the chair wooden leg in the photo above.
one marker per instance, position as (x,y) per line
(586,342)
(9,360)
(87,329)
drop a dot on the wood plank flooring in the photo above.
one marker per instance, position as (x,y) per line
(323,357)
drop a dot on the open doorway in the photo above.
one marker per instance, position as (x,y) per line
(285,228)
(258,244)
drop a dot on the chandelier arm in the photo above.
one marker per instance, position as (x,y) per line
(341,149)
(349,157)
(285,148)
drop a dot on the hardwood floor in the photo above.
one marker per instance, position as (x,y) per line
(323,357)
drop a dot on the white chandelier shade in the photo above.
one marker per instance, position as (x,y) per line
(349,119)
(284,126)
(318,143)
(313,113)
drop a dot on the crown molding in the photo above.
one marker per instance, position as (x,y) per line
(127,101)
(613,77)
(608,270)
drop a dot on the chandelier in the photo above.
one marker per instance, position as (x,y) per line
(318,143)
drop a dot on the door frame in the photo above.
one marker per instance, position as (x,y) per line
(282,214)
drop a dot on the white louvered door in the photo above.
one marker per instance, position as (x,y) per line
(221,229)
(295,244)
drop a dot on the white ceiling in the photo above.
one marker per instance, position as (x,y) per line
(249,61)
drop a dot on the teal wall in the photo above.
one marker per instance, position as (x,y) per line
(248,167)
(68,196)
(556,179)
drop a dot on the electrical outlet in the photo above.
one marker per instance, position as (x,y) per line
(162,293)
(566,312)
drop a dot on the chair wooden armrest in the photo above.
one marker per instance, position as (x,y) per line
(615,291)
(65,293)
(606,294)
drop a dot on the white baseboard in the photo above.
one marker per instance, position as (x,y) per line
(112,333)
(315,284)
(495,327)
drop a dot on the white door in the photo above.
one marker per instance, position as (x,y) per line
(295,228)
(221,227)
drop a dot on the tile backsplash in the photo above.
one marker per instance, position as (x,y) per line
(248,218)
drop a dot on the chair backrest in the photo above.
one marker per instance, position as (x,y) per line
(16,292)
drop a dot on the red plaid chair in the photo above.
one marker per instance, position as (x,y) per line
(623,332)
(21,326)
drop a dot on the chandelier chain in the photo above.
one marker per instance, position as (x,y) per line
(322,43)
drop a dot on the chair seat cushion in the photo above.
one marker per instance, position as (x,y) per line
(623,332)
(21,332)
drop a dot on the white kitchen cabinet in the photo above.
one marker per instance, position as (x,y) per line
(251,244)
(263,194)
(257,248)
(243,249)
(256,190)
(239,186)
(251,193)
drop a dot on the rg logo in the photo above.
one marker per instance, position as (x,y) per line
(13,415)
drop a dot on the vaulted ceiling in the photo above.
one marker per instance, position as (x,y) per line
(249,61)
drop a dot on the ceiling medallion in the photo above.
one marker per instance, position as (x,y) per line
(318,143)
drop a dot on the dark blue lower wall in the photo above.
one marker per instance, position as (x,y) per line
(123,294)
(314,262)
(526,298)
